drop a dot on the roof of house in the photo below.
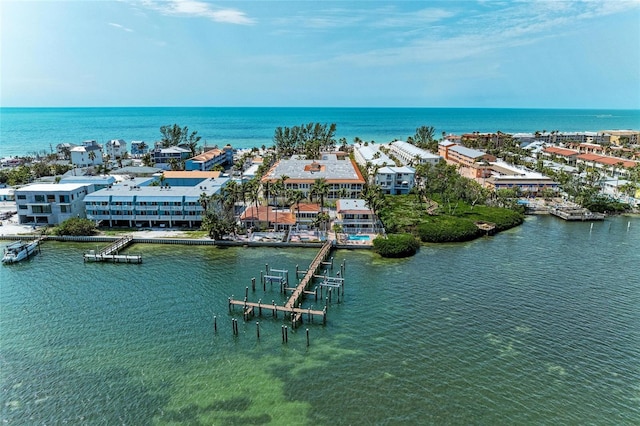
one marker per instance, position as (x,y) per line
(307,207)
(263,212)
(356,206)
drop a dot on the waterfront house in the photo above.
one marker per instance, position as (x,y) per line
(265,217)
(51,204)
(355,217)
(306,214)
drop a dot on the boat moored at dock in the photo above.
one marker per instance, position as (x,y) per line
(19,250)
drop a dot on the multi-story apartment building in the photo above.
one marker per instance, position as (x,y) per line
(51,204)
(133,205)
(342,176)
(411,154)
(209,159)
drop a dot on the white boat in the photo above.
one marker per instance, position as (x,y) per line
(20,250)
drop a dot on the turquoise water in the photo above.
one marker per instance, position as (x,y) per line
(27,130)
(537,325)
(359,237)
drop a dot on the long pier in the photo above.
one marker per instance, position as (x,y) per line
(292,305)
(110,253)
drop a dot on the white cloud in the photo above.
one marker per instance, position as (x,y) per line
(194,8)
(123,28)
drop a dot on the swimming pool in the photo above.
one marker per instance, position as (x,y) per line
(359,237)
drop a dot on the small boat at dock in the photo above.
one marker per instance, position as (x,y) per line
(19,250)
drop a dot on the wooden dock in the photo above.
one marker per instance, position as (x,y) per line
(110,253)
(576,214)
(292,306)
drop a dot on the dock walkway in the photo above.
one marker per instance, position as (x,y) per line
(110,253)
(292,306)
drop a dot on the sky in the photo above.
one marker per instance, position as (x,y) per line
(503,54)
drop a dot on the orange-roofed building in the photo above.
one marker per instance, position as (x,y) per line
(266,217)
(569,155)
(342,176)
(208,160)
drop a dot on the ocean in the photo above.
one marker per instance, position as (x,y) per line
(536,325)
(25,131)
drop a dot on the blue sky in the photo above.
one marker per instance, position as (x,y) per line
(543,54)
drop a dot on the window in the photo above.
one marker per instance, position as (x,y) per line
(41,209)
(63,209)
(22,197)
(39,198)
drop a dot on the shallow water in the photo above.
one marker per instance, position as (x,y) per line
(539,324)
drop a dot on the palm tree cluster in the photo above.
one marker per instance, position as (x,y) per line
(308,140)
(176,135)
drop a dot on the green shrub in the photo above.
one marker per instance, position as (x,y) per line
(75,226)
(396,245)
(448,229)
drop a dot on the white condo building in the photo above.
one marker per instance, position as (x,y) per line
(411,154)
(51,204)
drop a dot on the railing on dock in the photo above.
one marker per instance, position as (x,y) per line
(110,253)
(576,214)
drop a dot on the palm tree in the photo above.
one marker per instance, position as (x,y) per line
(320,188)
(92,156)
(204,201)
(294,196)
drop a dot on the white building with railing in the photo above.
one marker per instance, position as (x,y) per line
(151,206)
(51,204)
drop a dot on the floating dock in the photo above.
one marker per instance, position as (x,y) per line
(576,214)
(110,253)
